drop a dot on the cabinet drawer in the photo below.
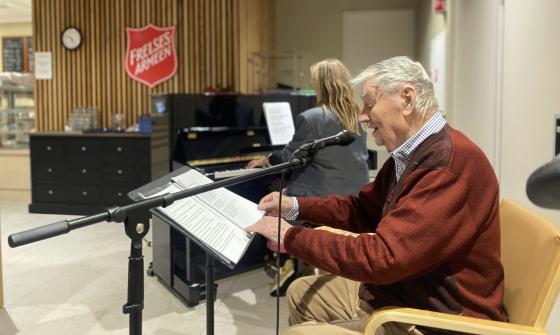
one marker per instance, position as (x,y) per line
(49,170)
(49,192)
(120,172)
(116,194)
(83,151)
(85,194)
(50,148)
(83,173)
(120,151)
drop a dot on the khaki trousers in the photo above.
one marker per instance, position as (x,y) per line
(329,304)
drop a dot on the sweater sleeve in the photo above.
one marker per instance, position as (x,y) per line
(355,213)
(429,224)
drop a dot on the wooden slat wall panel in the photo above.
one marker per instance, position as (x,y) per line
(214,40)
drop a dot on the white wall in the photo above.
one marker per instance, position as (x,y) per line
(361,50)
(474,66)
(314,27)
(428,26)
(531,89)
(504,96)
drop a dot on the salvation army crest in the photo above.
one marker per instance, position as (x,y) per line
(151,57)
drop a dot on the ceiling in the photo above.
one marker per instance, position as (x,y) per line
(14,11)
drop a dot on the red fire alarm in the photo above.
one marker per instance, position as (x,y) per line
(439,6)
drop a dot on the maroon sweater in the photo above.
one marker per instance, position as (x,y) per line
(437,234)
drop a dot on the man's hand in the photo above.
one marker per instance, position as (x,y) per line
(268,227)
(269,204)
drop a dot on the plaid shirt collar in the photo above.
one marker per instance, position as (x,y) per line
(402,154)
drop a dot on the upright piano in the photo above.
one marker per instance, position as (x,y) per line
(217,134)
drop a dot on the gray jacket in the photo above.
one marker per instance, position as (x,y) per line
(334,170)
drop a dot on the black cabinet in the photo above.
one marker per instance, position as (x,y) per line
(75,173)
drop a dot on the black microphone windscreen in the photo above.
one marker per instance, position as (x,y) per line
(346,138)
(543,185)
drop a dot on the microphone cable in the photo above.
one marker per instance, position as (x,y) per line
(278,249)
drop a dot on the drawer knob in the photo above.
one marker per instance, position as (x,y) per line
(49,148)
(84,171)
(84,193)
(119,149)
(84,149)
(119,194)
(49,170)
(119,171)
(50,192)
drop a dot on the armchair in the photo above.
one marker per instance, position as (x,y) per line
(531,260)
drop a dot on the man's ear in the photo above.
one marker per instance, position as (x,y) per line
(409,99)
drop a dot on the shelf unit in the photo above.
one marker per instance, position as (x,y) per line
(17,116)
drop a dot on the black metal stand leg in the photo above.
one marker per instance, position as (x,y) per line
(135,302)
(136,230)
(209,294)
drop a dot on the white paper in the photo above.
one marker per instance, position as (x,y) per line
(43,65)
(216,218)
(239,210)
(278,116)
(209,227)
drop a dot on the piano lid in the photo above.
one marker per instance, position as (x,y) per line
(197,146)
(224,126)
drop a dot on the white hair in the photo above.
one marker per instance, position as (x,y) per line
(391,74)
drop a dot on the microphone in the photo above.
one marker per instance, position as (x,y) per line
(543,185)
(343,138)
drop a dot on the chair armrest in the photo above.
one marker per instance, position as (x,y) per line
(438,320)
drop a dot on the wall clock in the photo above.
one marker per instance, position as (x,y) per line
(71,38)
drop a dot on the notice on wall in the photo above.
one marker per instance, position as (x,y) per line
(280,122)
(43,65)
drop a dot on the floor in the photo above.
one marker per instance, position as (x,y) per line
(77,283)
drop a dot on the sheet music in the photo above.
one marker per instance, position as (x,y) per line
(280,123)
(241,211)
(216,218)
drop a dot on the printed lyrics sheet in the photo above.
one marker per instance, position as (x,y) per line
(217,218)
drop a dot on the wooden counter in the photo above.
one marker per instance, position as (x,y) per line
(15,175)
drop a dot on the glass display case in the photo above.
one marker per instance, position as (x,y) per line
(17,115)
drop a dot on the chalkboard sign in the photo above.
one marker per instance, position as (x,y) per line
(17,54)
(12,54)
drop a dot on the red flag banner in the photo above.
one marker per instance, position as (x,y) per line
(151,57)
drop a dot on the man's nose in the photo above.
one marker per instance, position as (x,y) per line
(364,117)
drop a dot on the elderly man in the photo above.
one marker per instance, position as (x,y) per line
(427,231)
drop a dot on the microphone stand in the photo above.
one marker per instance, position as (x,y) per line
(135,217)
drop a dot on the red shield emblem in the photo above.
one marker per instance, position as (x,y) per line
(150,54)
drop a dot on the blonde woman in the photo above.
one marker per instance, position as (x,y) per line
(338,170)
(335,169)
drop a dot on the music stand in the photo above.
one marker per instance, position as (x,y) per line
(210,288)
(136,220)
